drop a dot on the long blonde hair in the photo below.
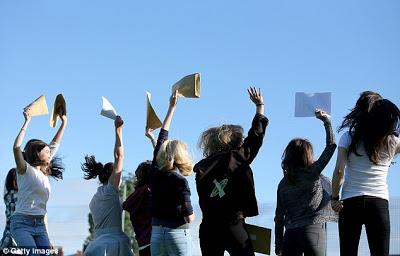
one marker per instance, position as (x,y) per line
(174,154)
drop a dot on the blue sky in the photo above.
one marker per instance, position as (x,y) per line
(120,49)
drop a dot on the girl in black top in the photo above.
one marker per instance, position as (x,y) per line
(225,183)
(171,207)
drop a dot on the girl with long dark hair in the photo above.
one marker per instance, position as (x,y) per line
(34,167)
(105,205)
(365,154)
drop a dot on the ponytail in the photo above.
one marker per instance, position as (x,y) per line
(92,169)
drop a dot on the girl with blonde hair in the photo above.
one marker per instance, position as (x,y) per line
(171,206)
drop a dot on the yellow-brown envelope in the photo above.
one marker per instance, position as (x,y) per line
(59,105)
(152,120)
(38,107)
(188,86)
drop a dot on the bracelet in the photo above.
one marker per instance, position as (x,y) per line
(335,198)
(23,129)
(259,104)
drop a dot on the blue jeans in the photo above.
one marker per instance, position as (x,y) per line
(29,232)
(170,241)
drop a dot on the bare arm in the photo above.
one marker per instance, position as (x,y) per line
(337,178)
(115,177)
(171,109)
(18,155)
(60,132)
(149,134)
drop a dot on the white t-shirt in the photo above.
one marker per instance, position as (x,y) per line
(363,177)
(34,189)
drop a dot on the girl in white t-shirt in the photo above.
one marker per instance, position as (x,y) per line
(34,166)
(365,154)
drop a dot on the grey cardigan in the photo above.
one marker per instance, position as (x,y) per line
(307,201)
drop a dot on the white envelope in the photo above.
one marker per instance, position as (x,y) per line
(306,103)
(108,110)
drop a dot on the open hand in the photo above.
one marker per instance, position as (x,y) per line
(255,95)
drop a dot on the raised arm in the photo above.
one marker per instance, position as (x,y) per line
(256,97)
(171,109)
(60,132)
(163,135)
(337,178)
(255,136)
(149,134)
(18,155)
(115,177)
(330,145)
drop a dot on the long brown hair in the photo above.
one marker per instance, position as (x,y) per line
(374,130)
(31,155)
(298,154)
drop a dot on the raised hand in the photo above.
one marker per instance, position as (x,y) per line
(118,122)
(27,114)
(173,99)
(255,95)
(321,115)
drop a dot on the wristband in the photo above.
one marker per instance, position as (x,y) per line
(259,104)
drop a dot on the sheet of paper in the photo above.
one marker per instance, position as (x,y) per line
(108,110)
(307,103)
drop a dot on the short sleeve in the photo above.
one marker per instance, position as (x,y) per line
(345,140)
(53,148)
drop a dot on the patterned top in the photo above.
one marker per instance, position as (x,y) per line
(10,198)
(307,201)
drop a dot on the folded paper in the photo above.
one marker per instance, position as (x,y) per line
(188,87)
(152,120)
(38,107)
(307,103)
(108,110)
(59,108)
(260,238)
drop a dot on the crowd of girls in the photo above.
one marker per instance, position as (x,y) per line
(161,209)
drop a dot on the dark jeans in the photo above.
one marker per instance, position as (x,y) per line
(368,211)
(215,238)
(310,240)
(145,251)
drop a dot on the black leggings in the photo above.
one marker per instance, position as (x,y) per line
(233,238)
(368,211)
(310,240)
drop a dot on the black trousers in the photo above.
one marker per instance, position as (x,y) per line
(310,240)
(368,211)
(145,251)
(215,238)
